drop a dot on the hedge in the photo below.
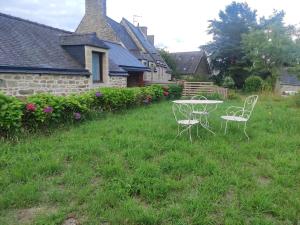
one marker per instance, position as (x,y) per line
(45,110)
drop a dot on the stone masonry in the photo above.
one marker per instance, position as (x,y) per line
(120,82)
(29,84)
(94,20)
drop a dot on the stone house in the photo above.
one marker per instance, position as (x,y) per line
(134,38)
(192,65)
(35,58)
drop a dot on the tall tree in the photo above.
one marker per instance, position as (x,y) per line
(169,60)
(271,46)
(225,51)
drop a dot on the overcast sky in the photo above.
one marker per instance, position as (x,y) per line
(177,25)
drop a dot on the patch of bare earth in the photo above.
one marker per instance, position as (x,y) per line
(71,221)
(26,216)
(264,181)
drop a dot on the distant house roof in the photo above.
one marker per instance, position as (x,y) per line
(188,62)
(126,40)
(123,58)
(89,39)
(150,48)
(31,47)
(122,34)
(289,79)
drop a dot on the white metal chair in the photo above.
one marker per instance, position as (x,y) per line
(201,112)
(240,114)
(184,119)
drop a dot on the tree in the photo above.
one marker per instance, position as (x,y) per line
(270,46)
(169,60)
(225,51)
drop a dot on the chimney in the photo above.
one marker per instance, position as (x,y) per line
(95,20)
(144,30)
(95,7)
(151,39)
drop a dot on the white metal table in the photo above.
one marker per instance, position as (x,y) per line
(195,102)
(204,102)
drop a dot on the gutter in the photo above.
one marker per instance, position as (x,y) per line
(48,71)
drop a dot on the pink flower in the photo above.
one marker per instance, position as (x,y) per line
(77,116)
(48,110)
(31,107)
(98,94)
(166,93)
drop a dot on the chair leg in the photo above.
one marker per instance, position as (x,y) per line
(197,130)
(190,132)
(245,127)
(226,125)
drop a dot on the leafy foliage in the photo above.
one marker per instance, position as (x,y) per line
(242,46)
(45,110)
(229,82)
(254,84)
(270,46)
(169,60)
(225,50)
(10,114)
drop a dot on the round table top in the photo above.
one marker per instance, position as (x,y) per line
(195,102)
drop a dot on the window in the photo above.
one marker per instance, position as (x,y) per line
(97,67)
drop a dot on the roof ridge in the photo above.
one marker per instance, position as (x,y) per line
(34,23)
(80,34)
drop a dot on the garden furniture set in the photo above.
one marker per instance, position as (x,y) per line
(196,112)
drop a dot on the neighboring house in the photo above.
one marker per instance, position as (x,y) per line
(133,38)
(192,65)
(36,58)
(288,83)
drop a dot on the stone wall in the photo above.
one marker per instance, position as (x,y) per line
(161,76)
(115,81)
(29,84)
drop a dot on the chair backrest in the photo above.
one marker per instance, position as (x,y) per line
(182,111)
(249,105)
(199,107)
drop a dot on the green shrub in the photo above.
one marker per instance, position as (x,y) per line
(229,82)
(253,84)
(44,110)
(10,114)
(175,91)
(117,98)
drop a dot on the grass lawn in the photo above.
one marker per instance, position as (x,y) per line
(126,169)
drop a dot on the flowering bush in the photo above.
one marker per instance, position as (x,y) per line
(175,91)
(11,113)
(44,110)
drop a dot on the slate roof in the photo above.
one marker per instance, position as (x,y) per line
(123,58)
(188,62)
(152,51)
(35,48)
(89,39)
(289,79)
(30,47)
(122,34)
(127,41)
